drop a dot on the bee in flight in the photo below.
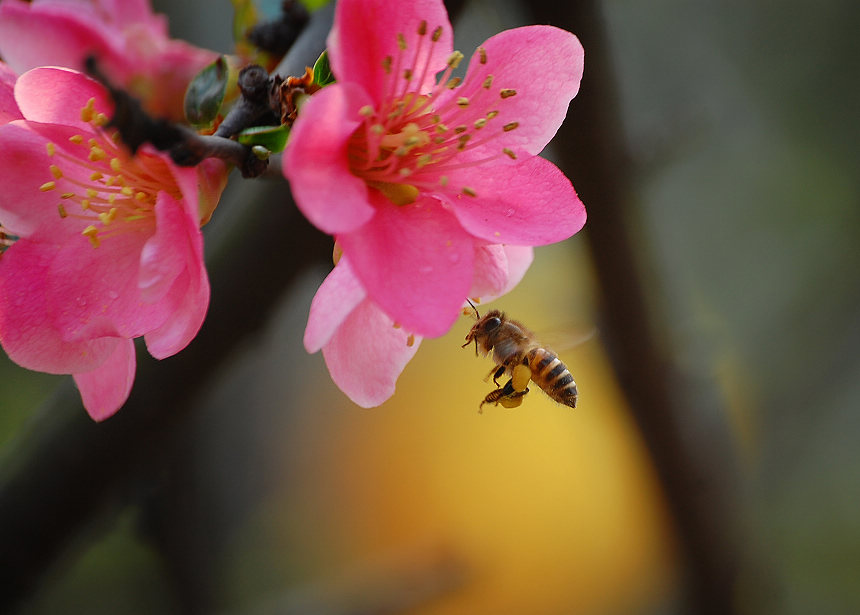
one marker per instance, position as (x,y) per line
(517,353)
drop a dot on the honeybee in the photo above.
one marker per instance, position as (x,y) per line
(516,352)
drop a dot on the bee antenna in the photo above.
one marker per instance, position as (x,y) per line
(477,314)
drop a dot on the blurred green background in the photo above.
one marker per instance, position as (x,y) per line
(741,121)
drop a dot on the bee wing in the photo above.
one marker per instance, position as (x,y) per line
(567,338)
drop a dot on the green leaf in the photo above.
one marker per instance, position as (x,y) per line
(205,94)
(322,71)
(273,138)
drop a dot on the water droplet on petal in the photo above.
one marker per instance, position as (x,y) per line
(113,294)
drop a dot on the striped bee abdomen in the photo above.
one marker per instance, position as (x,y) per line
(551,375)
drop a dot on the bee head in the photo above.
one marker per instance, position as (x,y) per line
(483,327)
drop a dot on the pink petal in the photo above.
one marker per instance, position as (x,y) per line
(334,301)
(365,32)
(57,95)
(519,260)
(367,354)
(498,269)
(531,203)
(543,64)
(24,167)
(105,389)
(415,261)
(8,107)
(187,300)
(315,162)
(27,329)
(491,271)
(93,292)
(56,34)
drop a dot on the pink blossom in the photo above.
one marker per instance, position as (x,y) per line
(364,349)
(104,247)
(412,175)
(129,41)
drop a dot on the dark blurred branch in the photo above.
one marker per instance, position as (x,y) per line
(66,468)
(695,465)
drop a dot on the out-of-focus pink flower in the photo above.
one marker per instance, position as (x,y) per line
(128,40)
(411,174)
(105,247)
(364,349)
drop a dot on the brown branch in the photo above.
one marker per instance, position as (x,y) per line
(696,473)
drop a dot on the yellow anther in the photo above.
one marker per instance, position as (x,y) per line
(101,119)
(336,252)
(396,325)
(140,196)
(405,172)
(441,128)
(88,111)
(439,140)
(510,126)
(55,171)
(111,198)
(67,195)
(507,93)
(401,41)
(488,82)
(96,154)
(386,65)
(108,216)
(92,193)
(407,74)
(377,129)
(47,186)
(127,191)
(492,114)
(461,129)
(52,149)
(95,176)
(510,153)
(469,191)
(482,54)
(480,123)
(115,165)
(92,142)
(85,204)
(462,101)
(62,210)
(366,111)
(463,139)
(443,181)
(453,83)
(424,160)
(422,27)
(92,233)
(454,59)
(76,139)
(410,340)
(437,34)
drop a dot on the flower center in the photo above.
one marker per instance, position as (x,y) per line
(412,140)
(113,192)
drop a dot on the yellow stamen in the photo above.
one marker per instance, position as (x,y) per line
(48,186)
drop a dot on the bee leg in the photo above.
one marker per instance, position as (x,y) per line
(500,371)
(507,396)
